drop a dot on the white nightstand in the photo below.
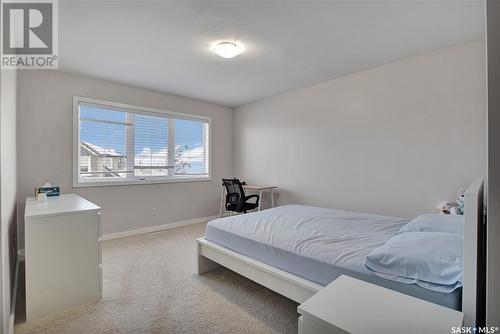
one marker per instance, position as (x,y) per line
(348,305)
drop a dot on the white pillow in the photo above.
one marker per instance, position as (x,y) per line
(432,260)
(432,222)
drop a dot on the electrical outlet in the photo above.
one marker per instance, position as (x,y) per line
(20,254)
(155,211)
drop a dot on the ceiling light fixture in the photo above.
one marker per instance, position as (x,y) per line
(227,49)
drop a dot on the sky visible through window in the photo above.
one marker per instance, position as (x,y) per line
(151,134)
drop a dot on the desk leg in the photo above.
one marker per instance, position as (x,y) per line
(272,197)
(260,198)
(221,201)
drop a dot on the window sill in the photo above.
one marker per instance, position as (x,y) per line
(86,184)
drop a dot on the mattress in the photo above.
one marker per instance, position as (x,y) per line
(318,244)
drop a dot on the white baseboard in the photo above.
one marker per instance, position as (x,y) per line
(156,228)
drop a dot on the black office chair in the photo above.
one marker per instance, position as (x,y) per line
(236,200)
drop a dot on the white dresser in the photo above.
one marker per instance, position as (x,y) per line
(62,254)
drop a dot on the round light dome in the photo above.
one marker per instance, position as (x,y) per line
(227,49)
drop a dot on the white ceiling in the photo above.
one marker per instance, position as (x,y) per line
(165,46)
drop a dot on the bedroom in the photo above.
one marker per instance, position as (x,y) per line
(356,106)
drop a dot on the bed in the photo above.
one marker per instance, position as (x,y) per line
(296,250)
(318,244)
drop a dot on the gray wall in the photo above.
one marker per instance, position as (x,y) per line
(8,191)
(396,139)
(493,219)
(45,150)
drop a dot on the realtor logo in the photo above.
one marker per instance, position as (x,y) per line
(29,34)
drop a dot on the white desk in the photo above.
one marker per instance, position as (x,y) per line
(348,305)
(62,254)
(251,187)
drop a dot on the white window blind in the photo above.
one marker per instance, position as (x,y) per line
(191,147)
(119,143)
(151,145)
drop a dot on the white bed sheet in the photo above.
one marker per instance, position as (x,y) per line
(317,244)
(332,236)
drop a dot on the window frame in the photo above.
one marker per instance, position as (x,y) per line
(79,183)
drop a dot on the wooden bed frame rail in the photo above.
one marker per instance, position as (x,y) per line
(212,256)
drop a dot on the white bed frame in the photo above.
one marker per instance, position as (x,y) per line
(212,256)
(473,219)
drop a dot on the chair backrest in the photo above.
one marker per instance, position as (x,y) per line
(234,191)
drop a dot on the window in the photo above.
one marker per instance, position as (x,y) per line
(122,144)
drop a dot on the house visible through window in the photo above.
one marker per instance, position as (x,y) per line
(128,144)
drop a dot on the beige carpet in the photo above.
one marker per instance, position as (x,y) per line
(150,287)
